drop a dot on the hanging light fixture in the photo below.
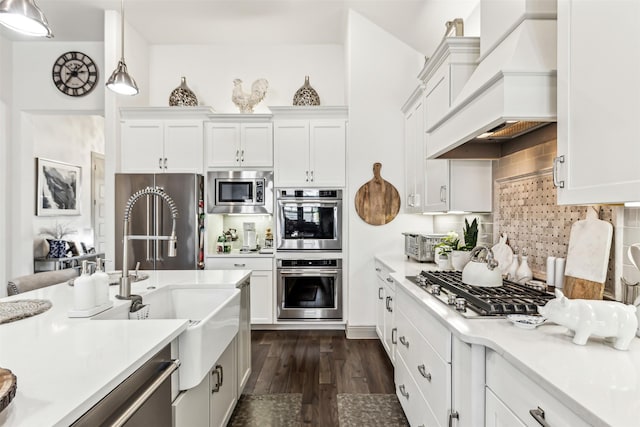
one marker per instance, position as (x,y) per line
(120,81)
(24,17)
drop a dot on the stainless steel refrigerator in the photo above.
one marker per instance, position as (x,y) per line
(150,216)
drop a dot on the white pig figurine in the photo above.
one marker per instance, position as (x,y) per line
(609,319)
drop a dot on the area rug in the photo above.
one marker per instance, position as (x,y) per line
(357,410)
(267,410)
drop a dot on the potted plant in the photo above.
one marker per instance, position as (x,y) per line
(461,255)
(57,244)
(443,250)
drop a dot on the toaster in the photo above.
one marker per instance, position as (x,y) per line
(420,246)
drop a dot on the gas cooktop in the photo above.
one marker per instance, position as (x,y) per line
(479,302)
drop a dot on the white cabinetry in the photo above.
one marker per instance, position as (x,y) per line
(385,324)
(262,304)
(458,185)
(414,151)
(162,139)
(210,403)
(598,106)
(239,143)
(309,146)
(510,393)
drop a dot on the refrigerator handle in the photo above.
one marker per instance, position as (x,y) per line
(159,209)
(148,219)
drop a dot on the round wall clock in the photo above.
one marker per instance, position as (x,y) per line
(74,74)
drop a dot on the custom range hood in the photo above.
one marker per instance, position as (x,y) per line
(511,92)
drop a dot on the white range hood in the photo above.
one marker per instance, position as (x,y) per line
(511,92)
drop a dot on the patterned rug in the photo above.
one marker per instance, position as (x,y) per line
(267,410)
(384,410)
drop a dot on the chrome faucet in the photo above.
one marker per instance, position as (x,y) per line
(125,282)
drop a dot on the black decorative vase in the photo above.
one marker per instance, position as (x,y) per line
(183,96)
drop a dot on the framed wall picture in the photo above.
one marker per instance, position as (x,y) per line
(58,191)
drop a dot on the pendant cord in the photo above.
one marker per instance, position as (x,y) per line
(122,31)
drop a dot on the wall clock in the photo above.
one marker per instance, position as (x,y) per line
(74,74)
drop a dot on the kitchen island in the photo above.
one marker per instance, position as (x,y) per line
(64,366)
(597,383)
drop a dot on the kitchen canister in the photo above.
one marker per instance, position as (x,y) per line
(551,271)
(183,96)
(559,272)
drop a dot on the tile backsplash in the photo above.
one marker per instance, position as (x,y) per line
(631,235)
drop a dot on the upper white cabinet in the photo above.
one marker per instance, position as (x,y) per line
(458,185)
(163,139)
(414,151)
(309,146)
(239,142)
(598,102)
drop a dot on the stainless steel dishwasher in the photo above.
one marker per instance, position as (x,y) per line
(143,399)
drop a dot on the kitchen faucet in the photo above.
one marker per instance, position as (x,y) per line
(125,282)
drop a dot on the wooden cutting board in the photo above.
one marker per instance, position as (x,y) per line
(8,385)
(587,257)
(377,201)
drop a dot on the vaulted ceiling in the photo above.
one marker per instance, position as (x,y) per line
(419,23)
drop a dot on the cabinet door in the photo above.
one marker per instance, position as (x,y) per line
(436,186)
(327,153)
(598,102)
(141,147)
(380,308)
(244,339)
(191,407)
(497,413)
(183,142)
(262,297)
(222,144)
(223,384)
(409,163)
(256,148)
(418,159)
(291,153)
(389,322)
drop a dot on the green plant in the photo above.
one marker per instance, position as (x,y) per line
(470,235)
(449,243)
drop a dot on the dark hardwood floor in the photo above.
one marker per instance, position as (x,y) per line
(319,365)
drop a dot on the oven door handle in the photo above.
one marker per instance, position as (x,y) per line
(306,272)
(309,202)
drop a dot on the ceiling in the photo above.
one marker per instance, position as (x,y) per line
(419,23)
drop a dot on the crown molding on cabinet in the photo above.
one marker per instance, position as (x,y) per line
(315,112)
(166,112)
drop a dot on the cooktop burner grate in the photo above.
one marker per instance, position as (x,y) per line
(510,298)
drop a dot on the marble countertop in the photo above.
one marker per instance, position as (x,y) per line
(597,382)
(64,366)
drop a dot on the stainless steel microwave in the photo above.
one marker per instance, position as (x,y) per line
(245,192)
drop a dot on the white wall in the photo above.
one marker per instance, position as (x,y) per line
(211,69)
(5,130)
(381,74)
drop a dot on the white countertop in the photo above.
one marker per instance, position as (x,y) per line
(597,382)
(64,366)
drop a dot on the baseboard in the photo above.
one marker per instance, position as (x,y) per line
(334,326)
(361,332)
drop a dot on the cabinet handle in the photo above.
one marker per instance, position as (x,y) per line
(403,392)
(389,279)
(389,307)
(165,163)
(221,373)
(394,333)
(216,388)
(404,341)
(378,269)
(453,415)
(311,176)
(307,176)
(443,193)
(239,265)
(424,372)
(387,303)
(242,156)
(379,293)
(538,415)
(237,156)
(159,162)
(556,182)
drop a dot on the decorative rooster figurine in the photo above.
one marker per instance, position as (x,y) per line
(245,101)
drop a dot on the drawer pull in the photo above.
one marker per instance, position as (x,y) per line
(394,332)
(404,341)
(239,265)
(379,293)
(386,304)
(216,387)
(389,307)
(424,372)
(453,415)
(389,279)
(403,392)
(538,415)
(378,269)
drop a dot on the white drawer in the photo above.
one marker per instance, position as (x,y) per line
(381,270)
(417,410)
(239,263)
(433,331)
(431,374)
(520,394)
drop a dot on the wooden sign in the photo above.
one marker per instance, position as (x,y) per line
(377,201)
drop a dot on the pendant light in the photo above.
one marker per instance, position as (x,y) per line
(24,17)
(120,81)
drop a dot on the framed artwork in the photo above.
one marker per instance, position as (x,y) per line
(58,191)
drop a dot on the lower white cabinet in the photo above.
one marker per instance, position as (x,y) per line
(385,324)
(522,397)
(244,337)
(210,403)
(262,304)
